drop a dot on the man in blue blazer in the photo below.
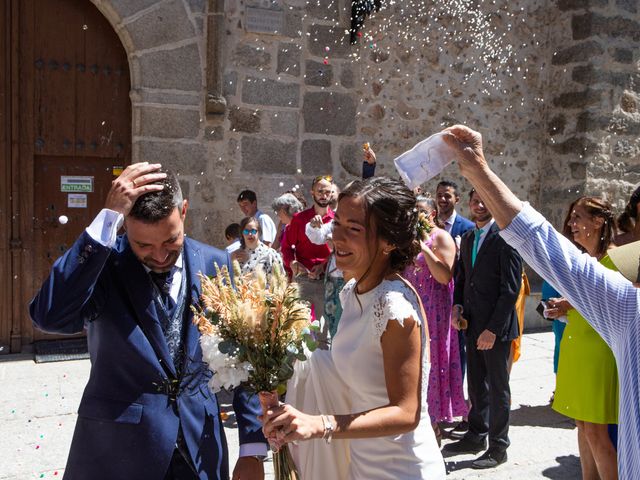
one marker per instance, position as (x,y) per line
(146,412)
(448,197)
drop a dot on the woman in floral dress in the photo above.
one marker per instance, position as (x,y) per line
(432,277)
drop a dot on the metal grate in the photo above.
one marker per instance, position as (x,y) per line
(60,350)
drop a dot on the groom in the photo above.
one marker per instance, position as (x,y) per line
(146,412)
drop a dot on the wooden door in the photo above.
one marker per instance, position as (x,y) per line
(76,129)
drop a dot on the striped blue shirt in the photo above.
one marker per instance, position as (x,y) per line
(607,300)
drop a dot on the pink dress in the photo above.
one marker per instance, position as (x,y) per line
(445,396)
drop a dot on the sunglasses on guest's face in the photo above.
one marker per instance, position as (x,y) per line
(253,231)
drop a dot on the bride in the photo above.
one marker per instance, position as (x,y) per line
(359,410)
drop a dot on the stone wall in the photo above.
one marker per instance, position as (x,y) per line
(553,86)
(597,121)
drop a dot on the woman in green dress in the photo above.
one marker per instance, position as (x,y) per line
(587,380)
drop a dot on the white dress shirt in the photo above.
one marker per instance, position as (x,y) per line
(448,223)
(483,235)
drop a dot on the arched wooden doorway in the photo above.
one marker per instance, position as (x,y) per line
(69,134)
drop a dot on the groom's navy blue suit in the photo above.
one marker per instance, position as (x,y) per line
(135,400)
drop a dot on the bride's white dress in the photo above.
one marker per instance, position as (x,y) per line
(350,379)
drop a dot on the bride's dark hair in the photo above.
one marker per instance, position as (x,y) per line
(391,208)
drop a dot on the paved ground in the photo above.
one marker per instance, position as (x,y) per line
(38,405)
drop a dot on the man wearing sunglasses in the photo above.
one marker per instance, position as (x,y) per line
(302,259)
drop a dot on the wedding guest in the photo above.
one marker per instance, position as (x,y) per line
(627,221)
(232,236)
(253,253)
(447,197)
(377,401)
(322,233)
(516,344)
(488,280)
(431,274)
(285,207)
(248,204)
(303,260)
(554,301)
(610,300)
(587,379)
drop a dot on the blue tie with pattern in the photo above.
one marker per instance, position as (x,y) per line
(163,281)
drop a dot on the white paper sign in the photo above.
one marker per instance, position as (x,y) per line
(77,200)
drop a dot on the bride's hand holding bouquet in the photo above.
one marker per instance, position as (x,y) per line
(254,328)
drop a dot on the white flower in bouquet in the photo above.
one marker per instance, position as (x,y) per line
(229,371)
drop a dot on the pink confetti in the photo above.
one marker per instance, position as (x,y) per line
(37,447)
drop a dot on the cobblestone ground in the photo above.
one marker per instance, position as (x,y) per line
(38,404)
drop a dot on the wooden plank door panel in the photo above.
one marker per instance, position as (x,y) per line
(76,121)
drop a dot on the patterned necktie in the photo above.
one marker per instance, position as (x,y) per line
(477,233)
(163,281)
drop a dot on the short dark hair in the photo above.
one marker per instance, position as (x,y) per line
(155,206)
(471,192)
(449,183)
(247,195)
(232,230)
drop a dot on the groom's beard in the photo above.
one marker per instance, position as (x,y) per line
(165,266)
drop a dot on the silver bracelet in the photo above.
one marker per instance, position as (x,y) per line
(329,428)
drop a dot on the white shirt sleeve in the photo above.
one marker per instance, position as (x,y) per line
(319,236)
(607,300)
(268,228)
(104,228)
(253,449)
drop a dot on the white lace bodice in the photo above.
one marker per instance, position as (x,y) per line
(350,378)
(356,348)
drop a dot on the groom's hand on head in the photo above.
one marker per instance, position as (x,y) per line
(135,180)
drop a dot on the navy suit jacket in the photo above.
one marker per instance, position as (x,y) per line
(127,425)
(461,225)
(489,289)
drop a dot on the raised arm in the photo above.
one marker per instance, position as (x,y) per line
(440,257)
(500,201)
(605,298)
(72,294)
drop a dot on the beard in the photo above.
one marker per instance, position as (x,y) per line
(321,203)
(167,265)
(482,218)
